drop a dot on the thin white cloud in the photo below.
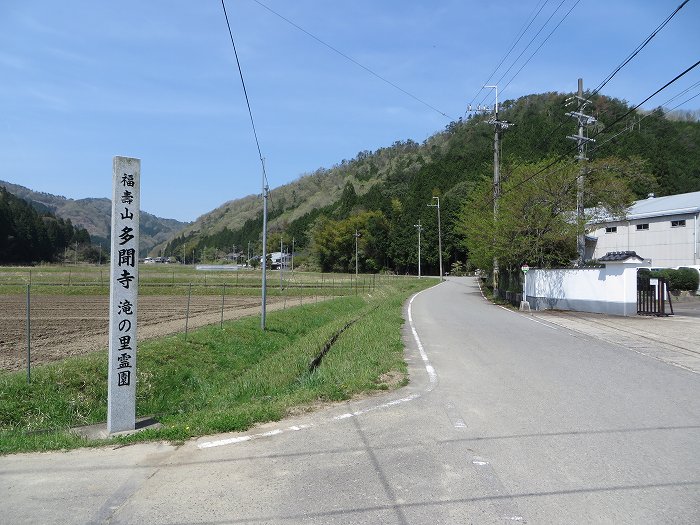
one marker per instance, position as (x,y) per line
(14,62)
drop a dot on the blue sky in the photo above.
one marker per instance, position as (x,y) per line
(82,81)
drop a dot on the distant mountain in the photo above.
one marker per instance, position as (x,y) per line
(95,215)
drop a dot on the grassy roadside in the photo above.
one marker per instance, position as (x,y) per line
(219,379)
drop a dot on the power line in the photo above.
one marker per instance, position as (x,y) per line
(640,47)
(607,130)
(245,92)
(532,40)
(571,181)
(522,32)
(615,71)
(346,57)
(665,112)
(542,44)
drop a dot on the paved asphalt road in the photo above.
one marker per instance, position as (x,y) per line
(508,419)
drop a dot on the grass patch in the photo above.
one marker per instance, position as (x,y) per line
(219,380)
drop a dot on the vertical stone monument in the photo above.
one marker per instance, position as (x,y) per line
(123,294)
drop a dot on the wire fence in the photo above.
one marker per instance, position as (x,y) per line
(47,314)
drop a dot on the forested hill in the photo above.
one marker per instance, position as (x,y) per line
(385,193)
(95,216)
(28,235)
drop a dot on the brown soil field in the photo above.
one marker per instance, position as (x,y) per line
(63,326)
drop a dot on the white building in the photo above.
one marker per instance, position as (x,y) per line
(661,229)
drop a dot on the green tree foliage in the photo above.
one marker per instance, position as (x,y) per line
(333,243)
(535,222)
(681,279)
(27,235)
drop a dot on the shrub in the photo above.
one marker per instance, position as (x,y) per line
(683,279)
(687,279)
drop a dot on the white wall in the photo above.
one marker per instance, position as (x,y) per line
(609,290)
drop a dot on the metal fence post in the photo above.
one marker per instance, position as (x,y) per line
(187,315)
(223,294)
(29,337)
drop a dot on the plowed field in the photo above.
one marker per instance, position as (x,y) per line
(63,326)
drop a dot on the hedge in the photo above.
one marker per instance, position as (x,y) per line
(687,279)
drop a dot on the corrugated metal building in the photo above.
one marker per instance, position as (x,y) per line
(662,229)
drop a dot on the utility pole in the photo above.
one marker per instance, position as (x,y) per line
(419,230)
(584,121)
(357,236)
(264,252)
(498,126)
(292,257)
(248,262)
(439,232)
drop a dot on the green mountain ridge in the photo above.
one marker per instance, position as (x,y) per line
(400,180)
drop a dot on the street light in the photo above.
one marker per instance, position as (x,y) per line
(439,231)
(419,230)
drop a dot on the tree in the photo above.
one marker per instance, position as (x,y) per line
(536,222)
(333,242)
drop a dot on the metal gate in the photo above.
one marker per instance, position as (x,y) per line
(653,297)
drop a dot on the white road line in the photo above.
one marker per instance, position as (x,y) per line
(241,439)
(376,407)
(432,375)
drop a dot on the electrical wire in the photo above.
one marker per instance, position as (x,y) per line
(572,180)
(350,59)
(607,130)
(522,32)
(616,70)
(639,47)
(532,40)
(245,92)
(541,44)
(665,112)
